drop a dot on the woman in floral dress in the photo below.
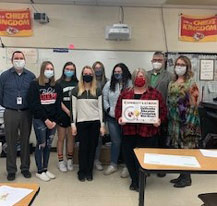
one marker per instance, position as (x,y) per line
(183,117)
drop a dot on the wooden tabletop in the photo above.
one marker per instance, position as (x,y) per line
(208,164)
(27,200)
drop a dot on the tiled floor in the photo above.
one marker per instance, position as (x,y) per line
(66,190)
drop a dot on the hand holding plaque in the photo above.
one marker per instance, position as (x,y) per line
(140,111)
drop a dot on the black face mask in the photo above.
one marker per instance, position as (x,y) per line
(87,78)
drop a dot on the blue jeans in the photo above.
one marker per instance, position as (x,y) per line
(44,137)
(116,138)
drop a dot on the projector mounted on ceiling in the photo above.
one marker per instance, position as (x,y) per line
(118,32)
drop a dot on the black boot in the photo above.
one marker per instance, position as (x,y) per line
(176,180)
(184,181)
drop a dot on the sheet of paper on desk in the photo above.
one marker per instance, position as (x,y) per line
(209,153)
(11,195)
(171,160)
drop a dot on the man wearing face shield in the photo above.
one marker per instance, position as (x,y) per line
(14,84)
(159,79)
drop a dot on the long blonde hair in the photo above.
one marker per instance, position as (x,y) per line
(81,87)
(41,78)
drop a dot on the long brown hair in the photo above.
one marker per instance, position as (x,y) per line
(81,87)
(41,78)
(104,79)
(126,76)
(188,74)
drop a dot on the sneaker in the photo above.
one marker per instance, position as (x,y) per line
(124,173)
(62,166)
(50,175)
(69,164)
(111,169)
(98,165)
(43,176)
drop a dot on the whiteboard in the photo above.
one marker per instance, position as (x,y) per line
(81,58)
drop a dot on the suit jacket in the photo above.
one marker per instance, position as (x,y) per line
(162,82)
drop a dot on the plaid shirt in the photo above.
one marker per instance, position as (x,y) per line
(144,130)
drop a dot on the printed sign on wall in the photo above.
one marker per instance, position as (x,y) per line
(198,29)
(15,23)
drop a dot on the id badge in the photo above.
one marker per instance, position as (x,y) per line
(19,100)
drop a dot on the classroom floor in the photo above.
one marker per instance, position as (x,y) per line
(66,190)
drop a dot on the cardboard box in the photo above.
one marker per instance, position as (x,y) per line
(104,155)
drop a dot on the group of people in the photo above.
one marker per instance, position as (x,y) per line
(82,107)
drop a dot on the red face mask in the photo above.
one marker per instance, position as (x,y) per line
(139,81)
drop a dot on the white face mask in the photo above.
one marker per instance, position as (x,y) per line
(157,65)
(19,64)
(180,70)
(48,73)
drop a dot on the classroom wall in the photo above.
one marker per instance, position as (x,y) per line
(84,27)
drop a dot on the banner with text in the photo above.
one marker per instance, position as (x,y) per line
(198,29)
(15,23)
(140,111)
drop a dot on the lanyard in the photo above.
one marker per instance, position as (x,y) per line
(17,83)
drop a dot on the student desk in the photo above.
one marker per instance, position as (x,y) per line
(208,165)
(29,198)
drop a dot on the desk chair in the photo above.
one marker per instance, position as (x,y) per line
(209,199)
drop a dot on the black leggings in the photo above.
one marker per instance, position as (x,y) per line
(88,134)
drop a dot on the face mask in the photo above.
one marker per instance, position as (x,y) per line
(98,73)
(180,70)
(19,64)
(157,65)
(139,82)
(69,73)
(87,78)
(48,73)
(118,76)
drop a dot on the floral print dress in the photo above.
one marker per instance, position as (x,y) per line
(183,118)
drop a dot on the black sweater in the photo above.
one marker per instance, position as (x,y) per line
(45,101)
